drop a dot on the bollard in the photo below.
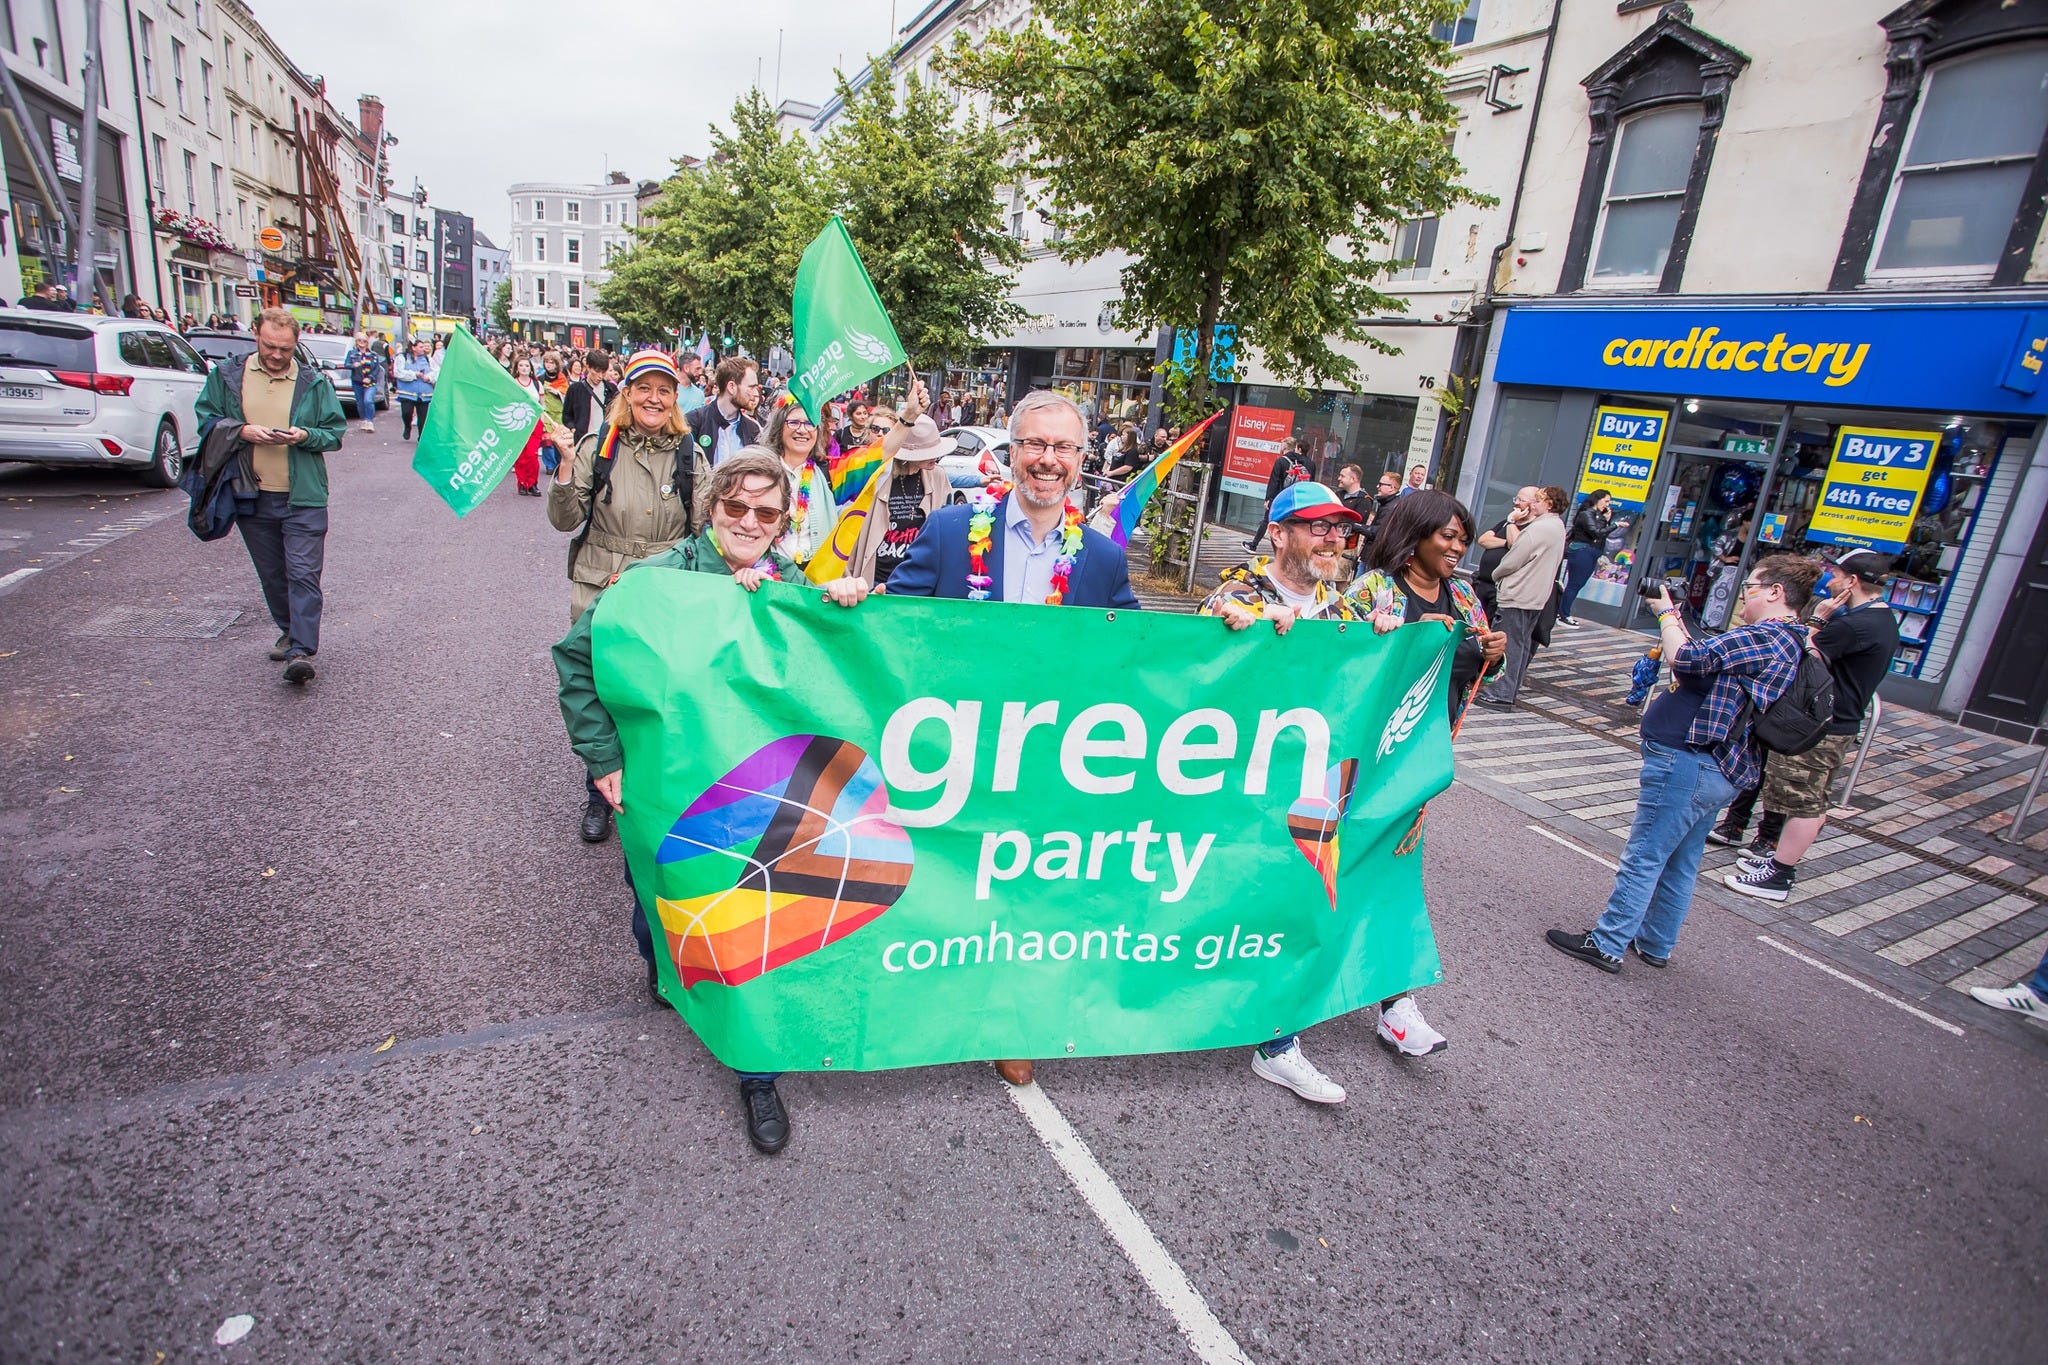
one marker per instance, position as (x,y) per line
(1863,750)
(2026,806)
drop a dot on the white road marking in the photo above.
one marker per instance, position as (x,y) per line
(9,580)
(1582,852)
(1210,1340)
(1863,986)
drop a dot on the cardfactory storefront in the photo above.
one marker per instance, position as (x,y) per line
(1727,432)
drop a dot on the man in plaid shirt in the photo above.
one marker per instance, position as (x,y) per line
(1699,749)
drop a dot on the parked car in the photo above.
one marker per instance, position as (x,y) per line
(76,389)
(983,454)
(218,345)
(328,352)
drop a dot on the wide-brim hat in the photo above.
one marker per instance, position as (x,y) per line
(925,443)
(1310,502)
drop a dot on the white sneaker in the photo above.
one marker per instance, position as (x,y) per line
(1403,1029)
(2019,999)
(1298,1074)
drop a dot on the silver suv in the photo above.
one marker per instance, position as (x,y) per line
(76,389)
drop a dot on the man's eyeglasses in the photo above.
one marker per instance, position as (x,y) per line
(1031,446)
(1751,585)
(740,511)
(1322,526)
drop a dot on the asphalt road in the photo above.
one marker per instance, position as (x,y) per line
(221,894)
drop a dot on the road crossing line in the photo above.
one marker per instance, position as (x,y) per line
(1210,1339)
(1863,986)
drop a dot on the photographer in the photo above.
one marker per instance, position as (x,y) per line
(1699,749)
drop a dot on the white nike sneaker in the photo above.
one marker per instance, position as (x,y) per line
(2019,999)
(1298,1074)
(1403,1029)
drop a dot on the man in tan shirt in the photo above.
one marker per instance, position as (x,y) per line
(289,420)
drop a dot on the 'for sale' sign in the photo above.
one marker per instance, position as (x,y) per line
(1256,435)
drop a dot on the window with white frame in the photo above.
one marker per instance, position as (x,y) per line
(608,207)
(1415,247)
(156,168)
(540,291)
(573,210)
(1653,156)
(419,258)
(419,298)
(219,199)
(1459,31)
(1973,143)
(234,138)
(145,42)
(206,90)
(572,249)
(398,258)
(178,73)
(540,246)
(191,184)
(575,294)
(540,210)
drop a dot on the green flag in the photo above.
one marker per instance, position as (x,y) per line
(842,337)
(478,424)
(921,831)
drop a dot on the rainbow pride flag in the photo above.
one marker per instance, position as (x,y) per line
(1131,501)
(854,470)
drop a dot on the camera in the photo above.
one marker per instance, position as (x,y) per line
(1674,588)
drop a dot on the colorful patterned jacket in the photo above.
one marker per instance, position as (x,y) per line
(1251,586)
(1377,591)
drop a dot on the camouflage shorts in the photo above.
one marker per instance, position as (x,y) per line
(1797,784)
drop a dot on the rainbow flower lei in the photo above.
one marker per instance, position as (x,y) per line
(981,534)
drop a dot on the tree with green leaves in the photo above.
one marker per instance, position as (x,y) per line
(917,188)
(1252,156)
(720,243)
(501,306)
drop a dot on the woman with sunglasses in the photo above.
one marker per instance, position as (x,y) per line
(742,507)
(793,438)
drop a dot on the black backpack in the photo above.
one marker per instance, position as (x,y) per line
(1799,720)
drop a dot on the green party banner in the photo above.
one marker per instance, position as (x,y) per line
(839,332)
(478,424)
(920,831)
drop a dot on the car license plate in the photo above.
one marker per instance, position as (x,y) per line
(26,392)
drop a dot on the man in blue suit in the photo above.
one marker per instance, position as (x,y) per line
(1047,439)
(1048,436)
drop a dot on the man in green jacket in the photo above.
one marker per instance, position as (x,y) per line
(289,418)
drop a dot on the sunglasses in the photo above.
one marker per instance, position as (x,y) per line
(740,511)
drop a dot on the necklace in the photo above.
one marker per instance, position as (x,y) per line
(980,535)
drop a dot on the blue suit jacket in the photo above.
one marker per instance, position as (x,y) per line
(937,563)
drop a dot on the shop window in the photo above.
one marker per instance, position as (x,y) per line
(1974,142)
(1521,434)
(1953,181)
(1415,246)
(1459,31)
(1645,193)
(1655,110)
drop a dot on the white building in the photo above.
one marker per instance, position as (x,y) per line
(1761,237)
(44,47)
(564,237)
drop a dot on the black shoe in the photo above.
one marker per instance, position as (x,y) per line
(1651,958)
(767,1120)
(282,650)
(597,823)
(1760,850)
(1726,836)
(1490,704)
(1582,947)
(299,670)
(1768,880)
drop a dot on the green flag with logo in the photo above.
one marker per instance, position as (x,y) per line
(478,423)
(840,334)
(921,831)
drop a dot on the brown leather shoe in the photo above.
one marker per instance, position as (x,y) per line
(1016,1073)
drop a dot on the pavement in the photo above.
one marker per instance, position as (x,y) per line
(320,1014)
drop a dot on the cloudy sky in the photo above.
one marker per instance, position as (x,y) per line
(485,93)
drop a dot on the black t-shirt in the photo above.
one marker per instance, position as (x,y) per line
(1858,643)
(849,442)
(1668,719)
(1489,560)
(906,519)
(1470,660)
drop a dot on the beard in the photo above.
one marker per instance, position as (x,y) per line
(1031,499)
(1298,563)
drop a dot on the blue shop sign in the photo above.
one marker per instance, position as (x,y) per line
(1961,358)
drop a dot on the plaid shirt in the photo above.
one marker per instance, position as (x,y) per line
(1746,664)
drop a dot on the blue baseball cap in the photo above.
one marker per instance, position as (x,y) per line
(1310,502)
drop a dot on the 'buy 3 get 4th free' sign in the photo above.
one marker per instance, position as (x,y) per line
(1621,454)
(1874,482)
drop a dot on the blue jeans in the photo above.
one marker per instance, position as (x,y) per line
(2039,980)
(1579,563)
(366,405)
(1680,796)
(288,546)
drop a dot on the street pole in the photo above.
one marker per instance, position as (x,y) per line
(89,158)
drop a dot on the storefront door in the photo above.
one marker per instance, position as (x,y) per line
(2013,687)
(1702,515)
